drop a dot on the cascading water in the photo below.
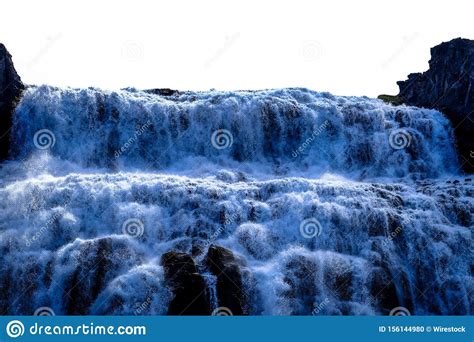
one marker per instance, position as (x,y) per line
(334,205)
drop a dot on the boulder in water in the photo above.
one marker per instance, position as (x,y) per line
(227,268)
(190,292)
(11,89)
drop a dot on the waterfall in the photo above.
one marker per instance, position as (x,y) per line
(335,205)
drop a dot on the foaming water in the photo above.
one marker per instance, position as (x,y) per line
(329,212)
(283,130)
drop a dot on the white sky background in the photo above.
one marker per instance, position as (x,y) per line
(357,47)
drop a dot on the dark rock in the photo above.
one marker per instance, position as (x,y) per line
(227,268)
(300,275)
(79,295)
(448,87)
(383,290)
(11,89)
(101,260)
(338,277)
(163,91)
(191,296)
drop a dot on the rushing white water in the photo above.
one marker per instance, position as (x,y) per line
(280,130)
(336,205)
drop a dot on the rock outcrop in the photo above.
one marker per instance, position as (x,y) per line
(191,293)
(11,89)
(227,268)
(99,261)
(448,86)
(191,296)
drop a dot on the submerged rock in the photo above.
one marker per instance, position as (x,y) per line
(11,88)
(190,292)
(448,86)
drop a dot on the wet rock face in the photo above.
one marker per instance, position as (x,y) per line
(191,296)
(227,268)
(80,294)
(97,263)
(448,86)
(11,88)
